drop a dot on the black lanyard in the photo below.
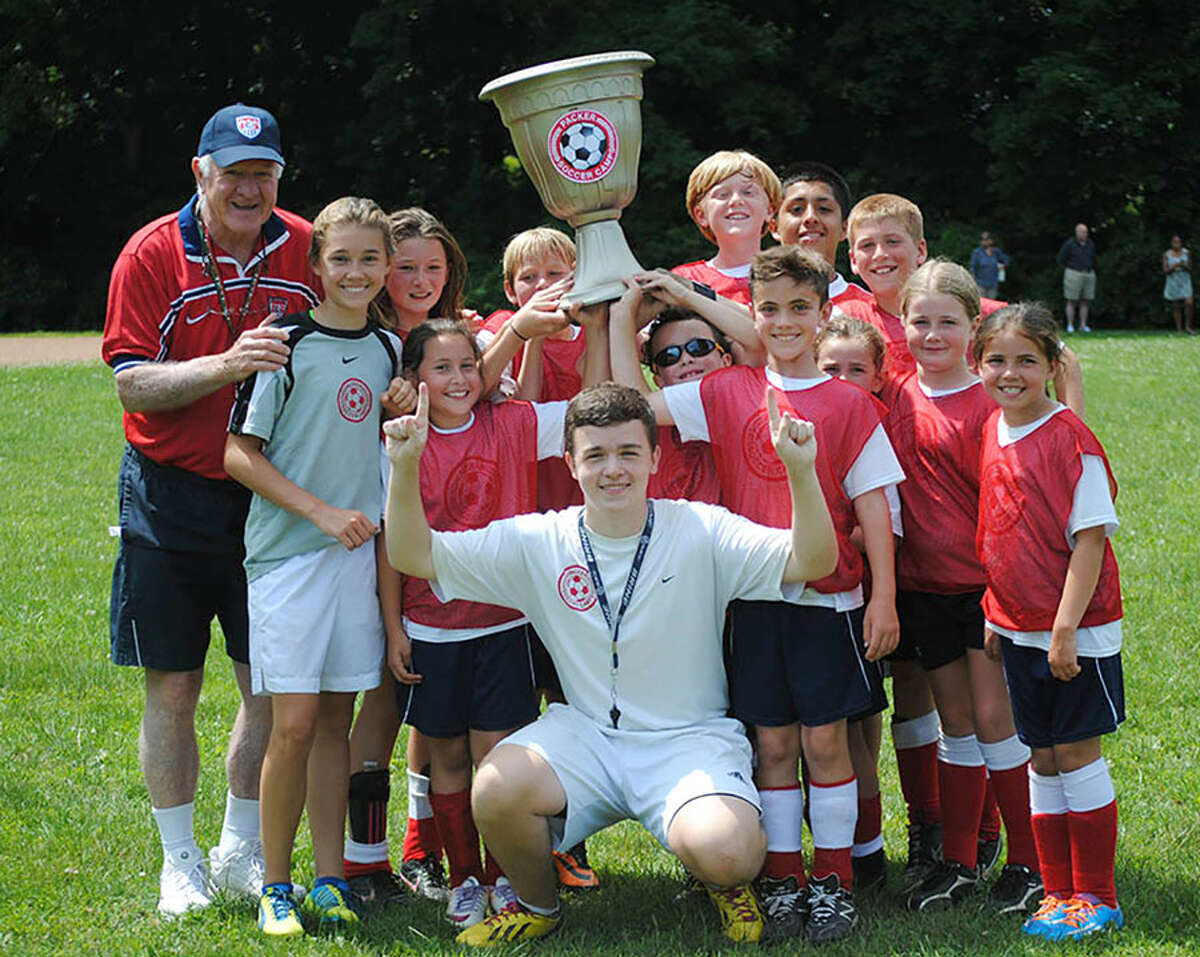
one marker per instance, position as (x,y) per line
(214,273)
(614,624)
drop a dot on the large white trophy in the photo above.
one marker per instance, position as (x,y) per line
(577,128)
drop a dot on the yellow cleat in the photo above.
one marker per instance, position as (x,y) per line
(277,914)
(510,926)
(741,917)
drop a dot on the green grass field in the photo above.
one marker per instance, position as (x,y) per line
(79,855)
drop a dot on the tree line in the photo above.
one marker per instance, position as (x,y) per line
(1017,118)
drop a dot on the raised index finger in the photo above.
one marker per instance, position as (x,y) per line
(422,405)
(773,410)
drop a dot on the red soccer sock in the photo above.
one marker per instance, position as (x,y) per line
(457,829)
(834,860)
(1052,837)
(1051,834)
(491,868)
(1093,852)
(354,869)
(868,829)
(780,864)
(961,773)
(989,821)
(1012,794)
(1093,823)
(915,741)
(421,838)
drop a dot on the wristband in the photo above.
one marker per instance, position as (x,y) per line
(513,327)
(705,290)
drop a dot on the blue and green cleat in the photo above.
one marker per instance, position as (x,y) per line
(332,903)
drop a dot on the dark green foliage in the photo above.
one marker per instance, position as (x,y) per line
(1021,119)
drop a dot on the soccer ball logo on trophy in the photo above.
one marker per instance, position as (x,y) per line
(577,127)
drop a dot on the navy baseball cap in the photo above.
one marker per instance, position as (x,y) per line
(241,132)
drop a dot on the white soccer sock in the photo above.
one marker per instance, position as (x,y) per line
(1046,794)
(916,732)
(1089,787)
(1004,755)
(175,830)
(833,812)
(357,853)
(419,808)
(542,911)
(783,817)
(241,823)
(963,751)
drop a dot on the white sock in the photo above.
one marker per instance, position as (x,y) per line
(916,732)
(1089,787)
(542,911)
(175,830)
(1004,755)
(833,811)
(241,823)
(962,751)
(782,817)
(358,853)
(1046,794)
(419,808)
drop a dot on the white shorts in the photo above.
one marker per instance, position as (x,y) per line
(315,624)
(614,775)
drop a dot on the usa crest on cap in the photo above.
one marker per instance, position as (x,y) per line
(248,125)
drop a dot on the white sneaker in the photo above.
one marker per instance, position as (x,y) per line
(242,871)
(503,896)
(184,884)
(468,904)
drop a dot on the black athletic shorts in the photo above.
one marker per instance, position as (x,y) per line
(798,664)
(484,683)
(1048,711)
(180,566)
(545,675)
(940,628)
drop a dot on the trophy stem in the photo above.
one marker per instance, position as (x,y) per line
(604,261)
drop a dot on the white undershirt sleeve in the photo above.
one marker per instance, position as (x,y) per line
(875,467)
(894,512)
(551,417)
(1093,503)
(687,409)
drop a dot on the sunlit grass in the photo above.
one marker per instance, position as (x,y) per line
(79,856)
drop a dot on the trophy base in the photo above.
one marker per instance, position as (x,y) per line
(604,262)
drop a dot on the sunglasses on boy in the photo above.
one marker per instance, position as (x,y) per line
(694,347)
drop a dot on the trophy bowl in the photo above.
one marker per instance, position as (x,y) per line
(577,128)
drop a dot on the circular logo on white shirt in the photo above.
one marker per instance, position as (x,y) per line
(354,400)
(575,588)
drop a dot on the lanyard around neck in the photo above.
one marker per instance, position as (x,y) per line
(214,273)
(614,623)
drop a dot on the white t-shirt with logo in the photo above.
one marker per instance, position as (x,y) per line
(670,673)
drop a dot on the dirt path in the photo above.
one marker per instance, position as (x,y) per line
(47,350)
